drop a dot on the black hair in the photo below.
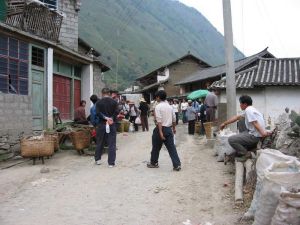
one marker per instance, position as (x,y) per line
(161,94)
(105,91)
(82,101)
(94,99)
(245,99)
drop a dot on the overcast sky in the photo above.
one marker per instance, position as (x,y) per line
(258,24)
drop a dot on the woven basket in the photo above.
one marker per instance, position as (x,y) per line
(31,148)
(208,129)
(55,139)
(81,139)
(197,127)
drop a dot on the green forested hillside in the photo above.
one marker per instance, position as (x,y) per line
(138,36)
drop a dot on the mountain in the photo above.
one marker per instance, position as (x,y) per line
(137,36)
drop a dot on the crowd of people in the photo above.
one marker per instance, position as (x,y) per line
(109,110)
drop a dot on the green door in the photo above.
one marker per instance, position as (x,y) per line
(37,100)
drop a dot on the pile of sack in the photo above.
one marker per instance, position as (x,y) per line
(276,199)
(222,146)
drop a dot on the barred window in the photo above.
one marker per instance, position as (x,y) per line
(37,57)
(13,66)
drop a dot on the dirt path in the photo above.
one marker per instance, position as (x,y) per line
(77,192)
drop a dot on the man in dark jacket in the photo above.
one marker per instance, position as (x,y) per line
(144,108)
(107,111)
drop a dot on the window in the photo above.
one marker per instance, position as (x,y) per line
(50,3)
(37,57)
(13,66)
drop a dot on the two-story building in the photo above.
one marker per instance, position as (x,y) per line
(42,64)
(168,75)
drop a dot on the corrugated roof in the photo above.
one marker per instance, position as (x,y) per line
(220,70)
(269,72)
(175,61)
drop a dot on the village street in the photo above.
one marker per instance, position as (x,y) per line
(78,192)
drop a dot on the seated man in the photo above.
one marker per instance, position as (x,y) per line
(255,124)
(79,114)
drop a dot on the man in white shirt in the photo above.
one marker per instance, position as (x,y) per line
(255,124)
(176,110)
(183,108)
(164,132)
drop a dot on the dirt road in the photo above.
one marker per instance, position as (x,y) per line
(78,192)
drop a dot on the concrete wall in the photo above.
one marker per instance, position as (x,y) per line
(69,29)
(178,71)
(15,120)
(87,86)
(271,101)
(98,82)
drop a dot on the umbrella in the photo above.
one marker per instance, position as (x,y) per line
(197,94)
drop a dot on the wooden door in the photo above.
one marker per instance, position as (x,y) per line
(37,100)
(77,93)
(62,95)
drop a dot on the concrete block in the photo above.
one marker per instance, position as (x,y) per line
(9,98)
(3,132)
(1,98)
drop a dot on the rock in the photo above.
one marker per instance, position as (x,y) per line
(45,170)
(3,152)
(5,147)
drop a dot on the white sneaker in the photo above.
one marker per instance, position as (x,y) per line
(98,162)
(111,166)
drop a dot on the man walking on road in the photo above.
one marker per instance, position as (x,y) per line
(164,132)
(107,111)
(245,141)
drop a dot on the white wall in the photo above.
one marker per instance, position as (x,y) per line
(87,86)
(50,87)
(271,101)
(165,77)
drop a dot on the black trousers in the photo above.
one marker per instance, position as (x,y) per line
(191,127)
(109,138)
(169,143)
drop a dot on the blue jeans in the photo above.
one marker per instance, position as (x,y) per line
(109,138)
(169,143)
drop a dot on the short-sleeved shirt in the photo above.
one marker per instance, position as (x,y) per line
(211,100)
(165,114)
(251,114)
(191,113)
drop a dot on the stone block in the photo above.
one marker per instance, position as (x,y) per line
(1,98)
(5,147)
(3,132)
(9,98)
(16,149)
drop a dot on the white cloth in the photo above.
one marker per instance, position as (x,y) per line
(132,111)
(175,107)
(184,105)
(251,114)
(165,114)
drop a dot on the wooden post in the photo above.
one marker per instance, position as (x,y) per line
(239,180)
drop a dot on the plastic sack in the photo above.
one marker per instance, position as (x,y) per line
(222,146)
(288,209)
(265,159)
(131,128)
(138,120)
(107,128)
(278,175)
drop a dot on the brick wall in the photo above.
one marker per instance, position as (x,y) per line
(69,29)
(16,121)
(98,83)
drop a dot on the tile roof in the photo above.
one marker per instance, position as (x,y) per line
(220,70)
(175,61)
(269,72)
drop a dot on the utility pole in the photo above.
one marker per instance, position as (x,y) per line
(117,68)
(230,70)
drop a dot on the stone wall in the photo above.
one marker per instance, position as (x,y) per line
(16,121)
(69,29)
(98,81)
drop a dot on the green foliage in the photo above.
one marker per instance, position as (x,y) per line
(144,35)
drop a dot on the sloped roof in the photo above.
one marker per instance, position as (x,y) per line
(269,72)
(173,62)
(220,70)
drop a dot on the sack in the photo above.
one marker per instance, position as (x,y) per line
(288,209)
(138,120)
(265,159)
(222,146)
(278,175)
